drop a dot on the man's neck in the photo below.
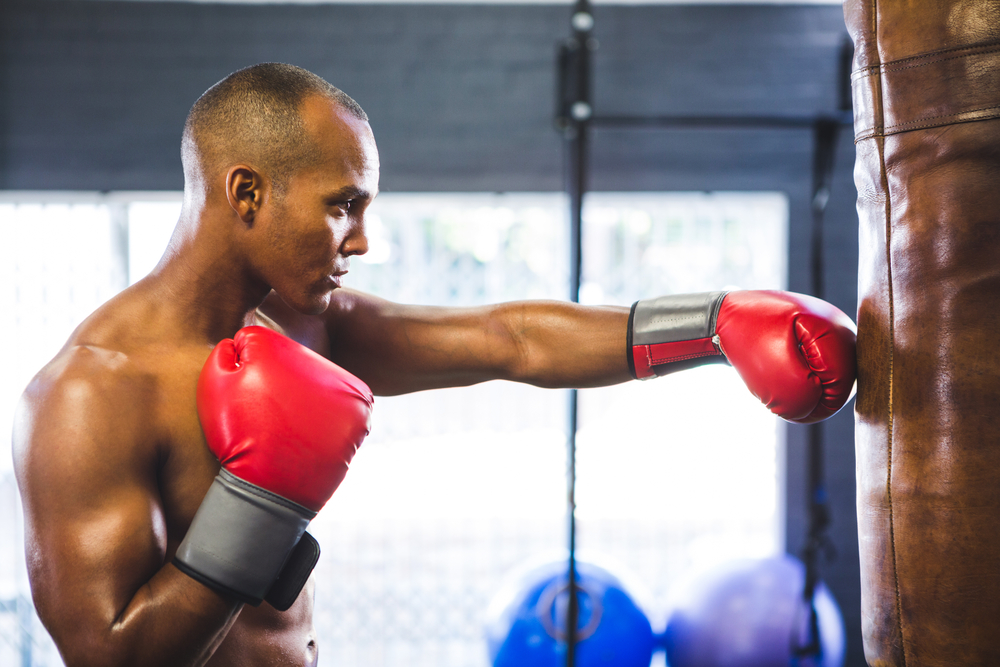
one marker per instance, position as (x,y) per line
(204,280)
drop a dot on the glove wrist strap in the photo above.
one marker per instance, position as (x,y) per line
(240,538)
(671,333)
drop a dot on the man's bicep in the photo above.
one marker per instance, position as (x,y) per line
(94,529)
(398,348)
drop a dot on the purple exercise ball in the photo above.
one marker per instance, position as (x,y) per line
(751,613)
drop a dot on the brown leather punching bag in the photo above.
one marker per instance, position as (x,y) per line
(927,120)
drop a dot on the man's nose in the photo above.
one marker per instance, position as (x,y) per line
(356,242)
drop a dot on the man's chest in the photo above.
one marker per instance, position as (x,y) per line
(185,467)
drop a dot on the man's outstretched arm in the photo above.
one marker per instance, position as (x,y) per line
(398,349)
(794,352)
(95,530)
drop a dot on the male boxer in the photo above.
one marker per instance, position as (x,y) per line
(113,463)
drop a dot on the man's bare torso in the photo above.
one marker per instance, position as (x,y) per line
(154,366)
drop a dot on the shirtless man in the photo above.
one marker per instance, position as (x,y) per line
(279,169)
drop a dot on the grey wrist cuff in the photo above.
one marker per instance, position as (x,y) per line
(676,317)
(241,537)
(672,333)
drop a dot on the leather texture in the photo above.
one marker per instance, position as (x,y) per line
(927,102)
(280,416)
(226,548)
(795,353)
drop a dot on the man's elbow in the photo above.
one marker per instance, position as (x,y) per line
(515,358)
(86,645)
(91,651)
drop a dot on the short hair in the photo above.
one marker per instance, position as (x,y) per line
(254,115)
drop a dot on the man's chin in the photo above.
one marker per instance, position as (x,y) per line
(309,305)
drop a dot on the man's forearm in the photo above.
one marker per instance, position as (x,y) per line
(559,344)
(172,621)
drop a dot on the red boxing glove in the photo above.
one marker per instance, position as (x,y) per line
(284,423)
(795,353)
(280,416)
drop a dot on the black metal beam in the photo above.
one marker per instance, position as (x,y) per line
(774,122)
(818,545)
(573,119)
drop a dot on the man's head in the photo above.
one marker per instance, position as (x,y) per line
(254,116)
(282,166)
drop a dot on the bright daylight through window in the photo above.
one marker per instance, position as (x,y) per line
(455,488)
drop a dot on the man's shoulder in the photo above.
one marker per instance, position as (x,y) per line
(81,367)
(84,388)
(124,342)
(104,389)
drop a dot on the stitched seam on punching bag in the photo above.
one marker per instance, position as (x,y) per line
(941,119)
(892,358)
(884,178)
(939,56)
(933,121)
(963,115)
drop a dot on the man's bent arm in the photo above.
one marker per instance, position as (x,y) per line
(398,349)
(95,531)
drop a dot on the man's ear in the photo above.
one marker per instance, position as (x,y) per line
(245,191)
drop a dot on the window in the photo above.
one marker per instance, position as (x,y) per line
(455,488)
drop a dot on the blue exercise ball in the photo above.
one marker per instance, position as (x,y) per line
(751,613)
(526,621)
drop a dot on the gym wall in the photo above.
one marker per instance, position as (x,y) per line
(93,96)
